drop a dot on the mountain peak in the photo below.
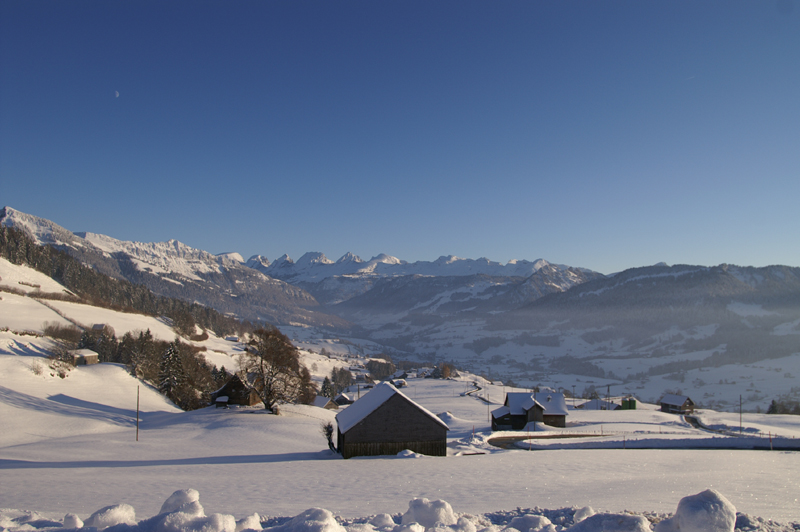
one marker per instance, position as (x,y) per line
(349,257)
(257,262)
(231,255)
(313,258)
(386,259)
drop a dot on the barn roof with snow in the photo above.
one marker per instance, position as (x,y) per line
(353,414)
(386,421)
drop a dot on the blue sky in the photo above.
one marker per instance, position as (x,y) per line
(605,134)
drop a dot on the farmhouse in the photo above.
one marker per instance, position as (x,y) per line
(84,357)
(521,408)
(385,421)
(235,393)
(676,404)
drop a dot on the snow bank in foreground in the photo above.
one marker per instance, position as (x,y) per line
(708,511)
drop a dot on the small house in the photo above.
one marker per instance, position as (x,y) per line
(521,408)
(343,399)
(84,357)
(236,393)
(385,421)
(676,404)
(325,402)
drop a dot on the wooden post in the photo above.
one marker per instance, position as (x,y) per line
(137,412)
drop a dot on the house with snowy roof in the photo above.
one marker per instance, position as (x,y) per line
(343,399)
(676,404)
(521,408)
(386,421)
(325,402)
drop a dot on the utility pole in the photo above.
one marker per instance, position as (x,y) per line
(137,412)
(573,397)
(740,415)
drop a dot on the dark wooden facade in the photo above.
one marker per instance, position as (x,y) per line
(394,426)
(509,421)
(677,404)
(237,393)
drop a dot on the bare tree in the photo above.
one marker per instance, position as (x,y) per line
(271,367)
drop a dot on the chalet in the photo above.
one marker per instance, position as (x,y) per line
(325,402)
(343,399)
(385,421)
(521,408)
(84,357)
(235,393)
(676,404)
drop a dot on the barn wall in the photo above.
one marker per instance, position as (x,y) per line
(555,421)
(430,448)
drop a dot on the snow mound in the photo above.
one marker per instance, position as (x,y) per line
(408,453)
(382,521)
(708,511)
(117,514)
(583,513)
(312,520)
(182,501)
(531,523)
(612,523)
(429,513)
(72,521)
(251,522)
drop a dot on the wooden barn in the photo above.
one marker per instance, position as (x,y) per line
(385,421)
(235,393)
(676,404)
(521,408)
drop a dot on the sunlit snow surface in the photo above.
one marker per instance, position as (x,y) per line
(71,448)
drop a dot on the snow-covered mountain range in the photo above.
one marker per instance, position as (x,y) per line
(286,291)
(533,321)
(176,270)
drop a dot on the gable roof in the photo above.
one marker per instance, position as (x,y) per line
(520,402)
(675,400)
(554,403)
(353,414)
(321,401)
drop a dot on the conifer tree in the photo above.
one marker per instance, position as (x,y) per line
(327,388)
(171,375)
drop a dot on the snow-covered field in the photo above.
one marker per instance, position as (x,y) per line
(68,446)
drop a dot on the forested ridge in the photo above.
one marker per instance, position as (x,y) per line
(95,288)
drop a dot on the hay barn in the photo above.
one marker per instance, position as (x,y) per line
(385,421)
